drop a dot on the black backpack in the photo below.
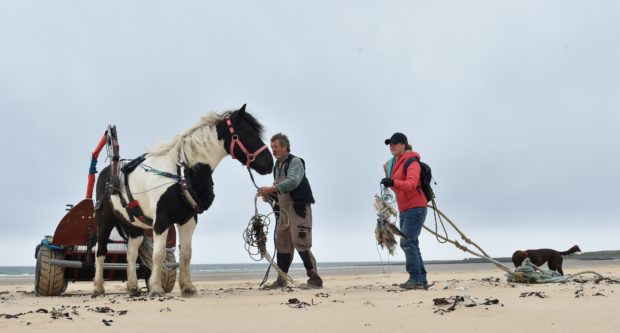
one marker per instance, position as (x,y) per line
(426,177)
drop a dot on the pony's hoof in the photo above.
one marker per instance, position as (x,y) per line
(188,291)
(98,292)
(133,291)
(156,292)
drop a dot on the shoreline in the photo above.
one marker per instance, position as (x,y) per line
(363,269)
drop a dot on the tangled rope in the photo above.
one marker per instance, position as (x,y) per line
(386,229)
(530,273)
(255,238)
(526,273)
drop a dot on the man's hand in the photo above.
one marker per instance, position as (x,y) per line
(266,190)
(387,182)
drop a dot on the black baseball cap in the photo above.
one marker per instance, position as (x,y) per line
(397,138)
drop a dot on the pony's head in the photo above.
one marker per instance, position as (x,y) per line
(241,133)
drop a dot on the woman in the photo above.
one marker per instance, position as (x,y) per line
(402,175)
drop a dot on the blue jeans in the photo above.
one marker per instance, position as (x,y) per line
(411,222)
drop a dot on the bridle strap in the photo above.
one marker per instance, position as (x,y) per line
(250,157)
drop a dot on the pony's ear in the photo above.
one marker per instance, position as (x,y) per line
(242,110)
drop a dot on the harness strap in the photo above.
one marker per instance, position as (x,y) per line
(159,172)
(188,192)
(133,207)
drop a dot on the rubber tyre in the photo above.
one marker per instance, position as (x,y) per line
(49,280)
(168,276)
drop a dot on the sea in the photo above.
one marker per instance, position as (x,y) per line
(222,268)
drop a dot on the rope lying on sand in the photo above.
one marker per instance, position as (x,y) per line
(529,273)
(255,237)
(526,273)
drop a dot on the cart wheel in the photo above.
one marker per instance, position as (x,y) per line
(49,280)
(168,276)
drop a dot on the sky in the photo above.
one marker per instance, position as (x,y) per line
(514,105)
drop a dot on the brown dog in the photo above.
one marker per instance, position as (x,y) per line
(541,256)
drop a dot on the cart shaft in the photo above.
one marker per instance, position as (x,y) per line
(106,266)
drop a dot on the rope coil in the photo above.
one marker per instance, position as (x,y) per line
(255,238)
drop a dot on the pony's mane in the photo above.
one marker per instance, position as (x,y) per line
(192,141)
(254,123)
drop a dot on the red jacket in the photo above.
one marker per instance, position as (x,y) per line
(407,187)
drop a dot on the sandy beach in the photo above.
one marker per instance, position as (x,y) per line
(353,300)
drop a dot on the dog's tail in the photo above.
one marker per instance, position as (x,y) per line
(571,250)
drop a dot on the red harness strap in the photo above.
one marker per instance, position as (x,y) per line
(235,141)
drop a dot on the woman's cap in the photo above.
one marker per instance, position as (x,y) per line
(397,138)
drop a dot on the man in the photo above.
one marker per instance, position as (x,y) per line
(294,225)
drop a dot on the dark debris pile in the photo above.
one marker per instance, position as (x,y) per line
(453,302)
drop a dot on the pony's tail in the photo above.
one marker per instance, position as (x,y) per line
(571,250)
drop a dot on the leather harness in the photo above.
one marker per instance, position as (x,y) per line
(191,197)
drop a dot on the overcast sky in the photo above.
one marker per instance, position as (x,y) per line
(514,104)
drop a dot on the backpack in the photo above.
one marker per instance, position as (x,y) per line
(426,177)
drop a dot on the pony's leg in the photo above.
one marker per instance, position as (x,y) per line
(104,228)
(159,254)
(133,244)
(186,232)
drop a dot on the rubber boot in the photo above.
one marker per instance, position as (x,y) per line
(314,280)
(284,261)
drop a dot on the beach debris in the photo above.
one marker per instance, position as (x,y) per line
(323,295)
(166,309)
(492,281)
(579,292)
(539,294)
(6,296)
(107,322)
(101,309)
(454,300)
(467,301)
(608,280)
(337,301)
(146,298)
(55,313)
(440,301)
(60,313)
(107,311)
(295,303)
(9,316)
(386,230)
(598,294)
(490,301)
